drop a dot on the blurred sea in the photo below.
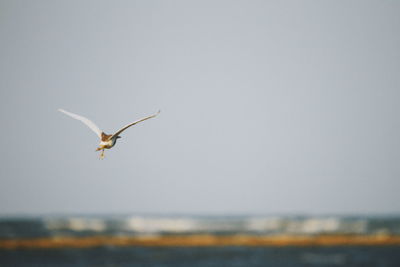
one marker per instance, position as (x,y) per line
(56,228)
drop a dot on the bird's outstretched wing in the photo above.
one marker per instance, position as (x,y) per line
(133,123)
(86,121)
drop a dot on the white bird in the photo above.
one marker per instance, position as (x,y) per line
(107,141)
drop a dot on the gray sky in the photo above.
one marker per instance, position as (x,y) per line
(267,106)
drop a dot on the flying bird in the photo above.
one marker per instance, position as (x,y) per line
(107,141)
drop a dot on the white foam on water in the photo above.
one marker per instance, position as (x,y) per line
(76,224)
(271,224)
(326,225)
(313,226)
(156,225)
(266,225)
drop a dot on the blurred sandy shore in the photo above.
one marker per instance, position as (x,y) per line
(202,240)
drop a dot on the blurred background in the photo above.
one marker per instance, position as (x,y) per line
(277,117)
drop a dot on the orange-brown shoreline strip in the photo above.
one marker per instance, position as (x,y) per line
(202,241)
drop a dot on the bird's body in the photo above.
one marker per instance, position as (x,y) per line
(107,141)
(107,144)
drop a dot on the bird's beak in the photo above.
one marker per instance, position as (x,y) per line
(97,149)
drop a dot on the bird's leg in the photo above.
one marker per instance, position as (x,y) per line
(102,154)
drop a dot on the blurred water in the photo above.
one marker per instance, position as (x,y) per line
(205,256)
(379,256)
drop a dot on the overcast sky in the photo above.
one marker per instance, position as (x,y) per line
(266,106)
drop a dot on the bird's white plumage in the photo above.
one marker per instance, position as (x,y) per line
(86,121)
